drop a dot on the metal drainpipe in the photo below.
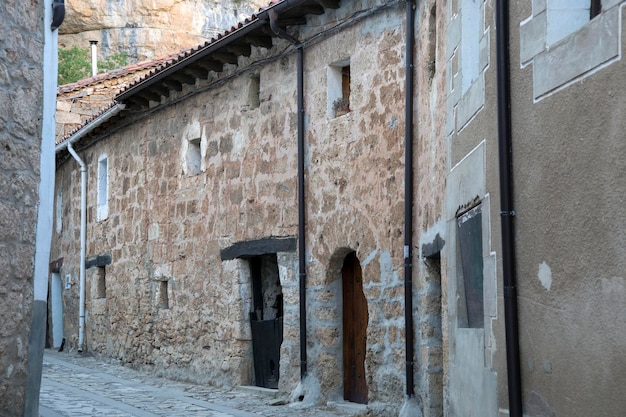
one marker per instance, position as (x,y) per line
(83,227)
(301,201)
(408,198)
(505,151)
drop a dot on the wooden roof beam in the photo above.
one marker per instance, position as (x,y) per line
(259,40)
(151,95)
(183,78)
(313,9)
(329,4)
(139,101)
(292,21)
(173,84)
(197,71)
(225,57)
(160,89)
(239,49)
(209,65)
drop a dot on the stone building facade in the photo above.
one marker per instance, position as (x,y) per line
(27,88)
(219,209)
(193,209)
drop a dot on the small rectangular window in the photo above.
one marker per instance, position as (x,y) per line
(163,296)
(103,188)
(194,156)
(339,87)
(58,218)
(470,239)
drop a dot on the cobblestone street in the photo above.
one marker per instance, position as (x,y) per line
(75,385)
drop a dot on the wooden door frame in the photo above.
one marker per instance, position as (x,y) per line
(354,322)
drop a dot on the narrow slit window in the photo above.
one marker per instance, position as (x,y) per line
(164,301)
(59,210)
(103,188)
(254,91)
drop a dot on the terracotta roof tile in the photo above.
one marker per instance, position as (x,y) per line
(177,57)
(157,65)
(119,72)
(85,123)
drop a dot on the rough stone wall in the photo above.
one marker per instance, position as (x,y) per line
(147,29)
(355,199)
(21,54)
(167,225)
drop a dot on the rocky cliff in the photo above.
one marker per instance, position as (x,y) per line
(149,28)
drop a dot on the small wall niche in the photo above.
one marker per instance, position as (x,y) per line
(100,282)
(254,92)
(163,300)
(194,156)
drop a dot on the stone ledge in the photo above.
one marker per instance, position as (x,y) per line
(266,392)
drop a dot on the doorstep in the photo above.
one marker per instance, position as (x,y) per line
(347,406)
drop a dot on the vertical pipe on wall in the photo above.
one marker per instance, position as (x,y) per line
(505,152)
(83,242)
(301,215)
(301,200)
(408,198)
(94,58)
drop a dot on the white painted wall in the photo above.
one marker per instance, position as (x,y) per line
(470,42)
(565,17)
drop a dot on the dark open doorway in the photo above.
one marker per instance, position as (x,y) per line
(355,319)
(266,319)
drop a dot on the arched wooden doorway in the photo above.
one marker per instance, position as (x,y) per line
(355,319)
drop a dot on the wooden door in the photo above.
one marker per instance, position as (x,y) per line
(354,331)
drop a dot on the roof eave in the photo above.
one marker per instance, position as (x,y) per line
(261,19)
(89,127)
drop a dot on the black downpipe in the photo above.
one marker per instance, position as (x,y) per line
(301,201)
(505,151)
(408,197)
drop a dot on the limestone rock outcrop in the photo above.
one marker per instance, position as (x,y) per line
(149,28)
